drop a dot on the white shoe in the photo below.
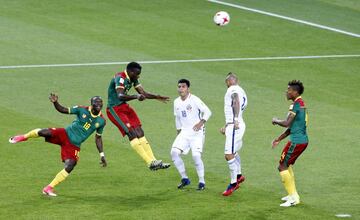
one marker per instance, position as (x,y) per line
(290,202)
(285,198)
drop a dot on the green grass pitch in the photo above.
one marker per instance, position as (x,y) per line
(61,32)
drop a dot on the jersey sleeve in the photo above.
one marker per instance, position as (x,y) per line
(100,130)
(294,108)
(136,84)
(205,111)
(177,118)
(119,82)
(74,110)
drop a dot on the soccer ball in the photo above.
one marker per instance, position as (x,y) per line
(222,18)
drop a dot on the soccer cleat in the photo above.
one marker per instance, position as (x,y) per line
(230,189)
(292,201)
(164,165)
(285,198)
(17,138)
(201,186)
(240,179)
(48,190)
(184,182)
(155,165)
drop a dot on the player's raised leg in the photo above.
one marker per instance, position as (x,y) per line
(23,137)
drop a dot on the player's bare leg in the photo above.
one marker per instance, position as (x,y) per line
(31,134)
(69,165)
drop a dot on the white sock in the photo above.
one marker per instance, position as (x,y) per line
(178,162)
(233,169)
(238,162)
(199,165)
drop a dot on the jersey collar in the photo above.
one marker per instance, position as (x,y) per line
(299,97)
(126,74)
(94,116)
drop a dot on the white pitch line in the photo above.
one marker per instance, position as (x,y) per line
(184,61)
(286,18)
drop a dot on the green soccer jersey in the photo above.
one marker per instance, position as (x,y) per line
(298,133)
(120,80)
(84,124)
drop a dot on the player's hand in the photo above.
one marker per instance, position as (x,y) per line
(274,121)
(236,125)
(222,130)
(53,97)
(163,99)
(198,126)
(275,143)
(103,162)
(141,97)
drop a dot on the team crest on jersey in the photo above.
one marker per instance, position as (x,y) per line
(188,107)
(84,115)
(121,80)
(97,125)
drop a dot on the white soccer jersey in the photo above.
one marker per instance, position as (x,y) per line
(189,112)
(229,115)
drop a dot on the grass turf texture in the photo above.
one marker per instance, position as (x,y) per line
(39,32)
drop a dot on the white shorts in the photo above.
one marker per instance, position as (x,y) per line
(185,142)
(233,142)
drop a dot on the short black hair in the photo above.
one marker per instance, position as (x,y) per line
(297,85)
(92,100)
(187,82)
(133,65)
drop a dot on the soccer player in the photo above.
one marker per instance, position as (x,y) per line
(190,116)
(295,124)
(234,129)
(125,118)
(89,119)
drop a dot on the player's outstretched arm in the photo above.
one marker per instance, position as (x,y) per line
(147,95)
(99,145)
(276,141)
(123,97)
(54,99)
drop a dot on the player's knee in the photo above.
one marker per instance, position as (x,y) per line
(175,153)
(282,167)
(70,165)
(197,158)
(131,135)
(139,132)
(44,132)
(229,156)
